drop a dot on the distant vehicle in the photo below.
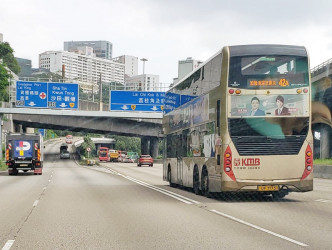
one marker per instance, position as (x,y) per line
(114,155)
(24,152)
(145,160)
(65,155)
(69,139)
(133,155)
(122,155)
(63,147)
(104,154)
(127,159)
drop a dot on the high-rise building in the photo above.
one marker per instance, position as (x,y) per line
(102,49)
(131,65)
(186,66)
(1,37)
(81,67)
(25,65)
(146,82)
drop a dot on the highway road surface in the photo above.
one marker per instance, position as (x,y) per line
(122,206)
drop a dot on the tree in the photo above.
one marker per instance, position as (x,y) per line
(4,83)
(6,54)
(8,59)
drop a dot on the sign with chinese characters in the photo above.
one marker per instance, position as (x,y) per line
(136,101)
(63,95)
(46,95)
(31,94)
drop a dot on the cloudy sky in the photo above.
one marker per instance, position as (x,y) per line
(166,31)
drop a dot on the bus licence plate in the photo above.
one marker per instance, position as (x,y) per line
(268,188)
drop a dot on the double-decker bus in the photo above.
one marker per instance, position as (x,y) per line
(241,122)
(104,154)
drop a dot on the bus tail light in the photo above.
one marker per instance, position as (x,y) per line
(228,163)
(299,91)
(308,163)
(231,91)
(305,90)
(237,91)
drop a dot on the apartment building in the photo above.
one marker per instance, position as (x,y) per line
(146,82)
(102,49)
(80,67)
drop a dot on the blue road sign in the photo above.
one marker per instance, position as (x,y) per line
(136,101)
(42,131)
(31,94)
(63,95)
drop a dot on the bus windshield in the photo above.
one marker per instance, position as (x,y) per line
(268,71)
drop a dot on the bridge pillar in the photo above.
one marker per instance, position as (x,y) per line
(325,142)
(145,145)
(154,147)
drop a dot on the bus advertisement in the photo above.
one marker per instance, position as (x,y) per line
(241,122)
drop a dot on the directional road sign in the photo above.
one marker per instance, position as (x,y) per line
(136,101)
(31,94)
(42,131)
(63,95)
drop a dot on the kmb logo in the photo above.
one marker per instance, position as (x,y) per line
(251,162)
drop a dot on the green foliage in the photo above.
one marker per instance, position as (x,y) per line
(127,143)
(6,54)
(88,143)
(323,162)
(4,83)
(49,76)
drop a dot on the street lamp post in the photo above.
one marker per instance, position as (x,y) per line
(144,60)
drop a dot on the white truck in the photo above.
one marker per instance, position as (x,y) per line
(24,152)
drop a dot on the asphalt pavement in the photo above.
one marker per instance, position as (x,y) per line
(121,206)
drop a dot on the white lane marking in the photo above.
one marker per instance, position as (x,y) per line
(324,201)
(35,203)
(163,191)
(259,228)
(8,245)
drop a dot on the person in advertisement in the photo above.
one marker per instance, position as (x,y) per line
(281,110)
(255,111)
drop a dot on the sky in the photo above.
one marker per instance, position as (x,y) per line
(166,31)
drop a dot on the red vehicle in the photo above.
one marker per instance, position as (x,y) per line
(69,139)
(145,160)
(104,154)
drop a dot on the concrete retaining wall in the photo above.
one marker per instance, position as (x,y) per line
(321,171)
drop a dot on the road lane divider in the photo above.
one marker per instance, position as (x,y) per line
(258,228)
(163,191)
(8,245)
(324,201)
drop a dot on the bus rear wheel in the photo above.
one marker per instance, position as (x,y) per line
(279,195)
(205,183)
(169,175)
(196,181)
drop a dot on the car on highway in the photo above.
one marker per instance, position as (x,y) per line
(65,155)
(127,159)
(145,160)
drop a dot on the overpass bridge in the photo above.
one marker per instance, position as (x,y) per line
(321,76)
(146,125)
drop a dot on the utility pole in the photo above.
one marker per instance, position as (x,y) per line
(144,60)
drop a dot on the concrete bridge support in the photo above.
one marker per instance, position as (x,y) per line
(149,145)
(154,147)
(325,137)
(145,145)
